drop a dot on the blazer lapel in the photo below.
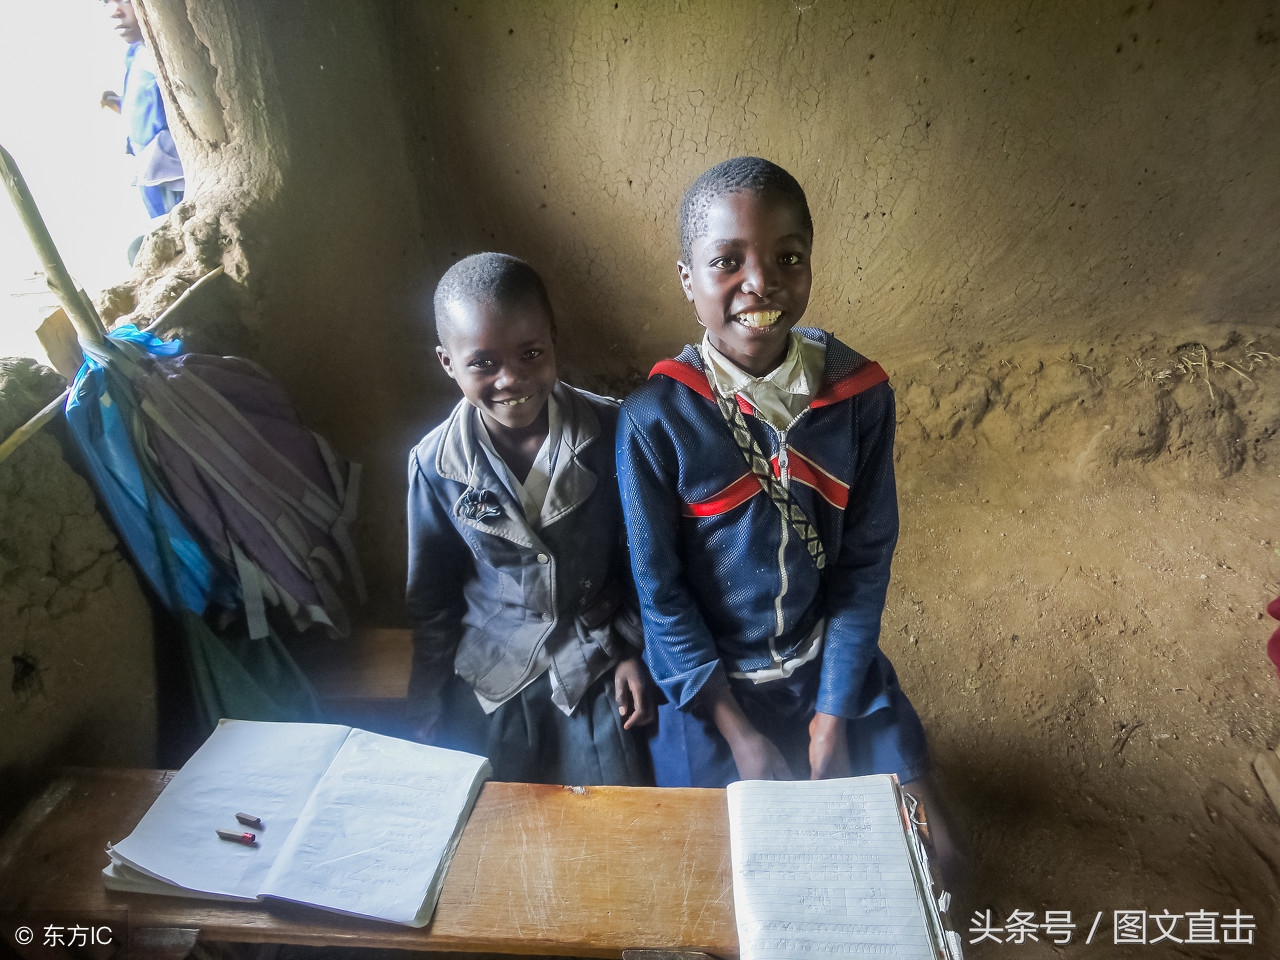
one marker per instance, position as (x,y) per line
(572,482)
(486,504)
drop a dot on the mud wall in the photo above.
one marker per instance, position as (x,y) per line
(288,121)
(75,629)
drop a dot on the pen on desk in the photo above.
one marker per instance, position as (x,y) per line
(249,820)
(248,839)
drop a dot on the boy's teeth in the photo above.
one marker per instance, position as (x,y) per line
(512,403)
(761,318)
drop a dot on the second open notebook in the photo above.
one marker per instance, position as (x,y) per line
(351,821)
(831,868)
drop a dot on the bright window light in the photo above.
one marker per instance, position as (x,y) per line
(56,59)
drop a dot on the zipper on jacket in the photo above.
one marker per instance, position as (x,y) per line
(784,475)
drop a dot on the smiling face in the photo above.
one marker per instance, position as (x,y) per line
(749,276)
(503,357)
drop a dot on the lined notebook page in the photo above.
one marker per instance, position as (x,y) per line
(822,869)
(379,830)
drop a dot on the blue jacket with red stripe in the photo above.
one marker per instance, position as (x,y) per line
(726,584)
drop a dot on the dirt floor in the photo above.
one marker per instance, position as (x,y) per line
(1089,540)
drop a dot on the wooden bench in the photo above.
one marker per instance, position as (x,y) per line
(361,680)
(582,871)
(372,665)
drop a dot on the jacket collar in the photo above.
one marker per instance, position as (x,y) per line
(486,504)
(845,372)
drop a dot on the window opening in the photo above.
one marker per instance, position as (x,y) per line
(56,59)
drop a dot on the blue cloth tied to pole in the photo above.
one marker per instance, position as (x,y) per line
(231,674)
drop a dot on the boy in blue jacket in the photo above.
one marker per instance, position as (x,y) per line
(757,482)
(518,573)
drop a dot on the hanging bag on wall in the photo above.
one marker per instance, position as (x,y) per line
(99,424)
(272,500)
(267,497)
(231,674)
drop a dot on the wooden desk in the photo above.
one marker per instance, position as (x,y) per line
(586,871)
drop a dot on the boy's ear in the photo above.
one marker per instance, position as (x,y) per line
(686,280)
(446,361)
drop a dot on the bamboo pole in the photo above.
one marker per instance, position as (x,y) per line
(187,295)
(77,304)
(32,426)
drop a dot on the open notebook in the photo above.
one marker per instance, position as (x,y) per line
(351,821)
(832,868)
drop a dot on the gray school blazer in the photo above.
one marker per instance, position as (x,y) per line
(487,592)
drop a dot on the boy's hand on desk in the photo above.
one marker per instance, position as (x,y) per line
(758,759)
(754,754)
(632,689)
(828,747)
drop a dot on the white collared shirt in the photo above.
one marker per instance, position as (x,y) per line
(532,493)
(784,392)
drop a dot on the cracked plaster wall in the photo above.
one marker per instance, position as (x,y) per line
(75,628)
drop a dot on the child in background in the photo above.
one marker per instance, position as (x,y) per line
(158,173)
(518,573)
(758,487)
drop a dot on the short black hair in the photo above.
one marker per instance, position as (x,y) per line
(741,174)
(492,277)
